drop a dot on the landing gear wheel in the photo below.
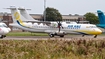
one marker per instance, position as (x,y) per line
(83,35)
(62,36)
(2,36)
(51,35)
(95,36)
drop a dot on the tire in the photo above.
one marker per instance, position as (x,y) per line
(2,36)
(83,35)
(51,35)
(95,36)
(62,36)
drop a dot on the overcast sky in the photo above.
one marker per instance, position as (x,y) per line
(65,7)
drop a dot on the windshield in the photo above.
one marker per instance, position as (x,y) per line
(3,25)
(91,27)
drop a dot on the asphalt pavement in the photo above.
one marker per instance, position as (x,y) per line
(67,37)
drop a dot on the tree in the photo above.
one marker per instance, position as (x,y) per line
(52,14)
(92,18)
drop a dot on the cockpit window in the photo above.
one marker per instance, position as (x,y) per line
(3,25)
(71,23)
(90,26)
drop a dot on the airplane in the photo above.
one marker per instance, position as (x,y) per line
(101,17)
(53,28)
(4,29)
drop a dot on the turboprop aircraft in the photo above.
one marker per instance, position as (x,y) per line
(53,28)
(4,29)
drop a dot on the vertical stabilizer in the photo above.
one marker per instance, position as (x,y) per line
(24,13)
(13,10)
(101,17)
(16,16)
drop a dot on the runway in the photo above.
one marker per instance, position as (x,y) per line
(67,37)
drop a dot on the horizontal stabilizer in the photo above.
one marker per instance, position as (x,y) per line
(11,7)
(25,14)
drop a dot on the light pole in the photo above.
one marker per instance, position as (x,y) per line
(44,10)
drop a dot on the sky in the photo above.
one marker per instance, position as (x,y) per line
(65,7)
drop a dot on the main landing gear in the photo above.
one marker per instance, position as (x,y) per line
(2,36)
(52,35)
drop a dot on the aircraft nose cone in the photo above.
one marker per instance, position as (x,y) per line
(5,31)
(9,29)
(99,31)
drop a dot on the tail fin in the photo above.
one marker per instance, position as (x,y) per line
(24,13)
(13,10)
(101,17)
(16,16)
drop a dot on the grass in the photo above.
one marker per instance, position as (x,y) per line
(26,34)
(52,49)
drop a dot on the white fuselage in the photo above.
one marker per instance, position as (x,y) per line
(51,28)
(67,28)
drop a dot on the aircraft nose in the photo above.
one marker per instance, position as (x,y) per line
(9,29)
(99,31)
(5,31)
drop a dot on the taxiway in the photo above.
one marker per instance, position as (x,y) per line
(68,37)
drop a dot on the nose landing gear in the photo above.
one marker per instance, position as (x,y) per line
(95,36)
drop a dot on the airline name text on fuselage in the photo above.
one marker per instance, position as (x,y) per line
(74,26)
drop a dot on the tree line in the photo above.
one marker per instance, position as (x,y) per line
(53,14)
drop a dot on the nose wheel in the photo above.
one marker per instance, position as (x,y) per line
(51,35)
(83,35)
(95,36)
